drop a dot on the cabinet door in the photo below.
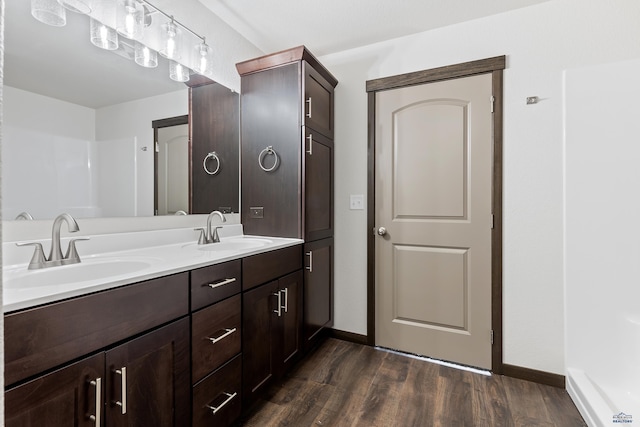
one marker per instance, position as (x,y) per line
(271,118)
(318,186)
(289,331)
(214,128)
(258,323)
(148,382)
(318,101)
(318,287)
(66,397)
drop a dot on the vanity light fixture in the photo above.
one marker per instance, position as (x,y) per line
(103,36)
(171,38)
(147,31)
(178,72)
(145,56)
(129,18)
(49,12)
(204,58)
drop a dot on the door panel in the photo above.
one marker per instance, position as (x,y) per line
(318,105)
(318,287)
(433,196)
(318,191)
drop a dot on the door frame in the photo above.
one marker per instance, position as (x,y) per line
(494,66)
(165,123)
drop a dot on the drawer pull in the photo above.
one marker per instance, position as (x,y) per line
(310,267)
(229,398)
(308,101)
(226,334)
(286,299)
(221,283)
(278,311)
(97,383)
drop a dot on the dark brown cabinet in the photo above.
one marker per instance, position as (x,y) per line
(318,288)
(272,326)
(139,383)
(271,317)
(214,130)
(64,397)
(287,111)
(216,339)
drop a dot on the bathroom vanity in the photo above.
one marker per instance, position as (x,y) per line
(194,343)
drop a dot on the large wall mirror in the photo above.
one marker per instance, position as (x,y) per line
(78,133)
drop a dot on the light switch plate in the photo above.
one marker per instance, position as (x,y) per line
(356,202)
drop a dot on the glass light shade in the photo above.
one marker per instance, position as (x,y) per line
(49,12)
(203,59)
(178,72)
(145,56)
(77,6)
(102,36)
(129,18)
(171,38)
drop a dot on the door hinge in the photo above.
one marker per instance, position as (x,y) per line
(493,103)
(492,337)
(157,147)
(493,221)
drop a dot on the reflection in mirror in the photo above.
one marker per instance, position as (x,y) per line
(77,134)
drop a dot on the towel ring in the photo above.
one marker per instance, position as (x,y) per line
(263,154)
(211,155)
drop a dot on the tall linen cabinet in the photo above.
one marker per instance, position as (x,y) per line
(287,120)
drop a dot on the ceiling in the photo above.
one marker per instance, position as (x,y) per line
(329,26)
(62,63)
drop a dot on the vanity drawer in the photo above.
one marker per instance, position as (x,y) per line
(43,337)
(220,390)
(214,283)
(267,266)
(221,322)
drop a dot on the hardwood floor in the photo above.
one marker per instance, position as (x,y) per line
(346,384)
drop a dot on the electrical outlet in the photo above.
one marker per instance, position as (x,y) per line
(256,212)
(356,202)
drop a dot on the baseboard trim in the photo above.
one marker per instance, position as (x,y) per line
(533,375)
(348,336)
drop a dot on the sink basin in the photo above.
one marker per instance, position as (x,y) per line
(236,244)
(92,269)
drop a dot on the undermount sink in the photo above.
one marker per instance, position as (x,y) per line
(91,269)
(236,244)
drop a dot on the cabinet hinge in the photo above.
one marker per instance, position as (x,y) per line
(493,103)
(492,337)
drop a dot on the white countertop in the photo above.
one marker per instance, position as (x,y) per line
(112,260)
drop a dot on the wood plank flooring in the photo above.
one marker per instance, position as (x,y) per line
(346,384)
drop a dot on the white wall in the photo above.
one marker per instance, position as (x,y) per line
(540,42)
(48,150)
(132,121)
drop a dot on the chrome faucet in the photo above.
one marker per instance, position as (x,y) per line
(55,256)
(206,235)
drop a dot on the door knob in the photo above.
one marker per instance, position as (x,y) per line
(382,231)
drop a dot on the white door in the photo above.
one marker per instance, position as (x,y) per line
(173,169)
(433,196)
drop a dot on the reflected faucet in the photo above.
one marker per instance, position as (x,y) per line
(24,215)
(206,235)
(55,256)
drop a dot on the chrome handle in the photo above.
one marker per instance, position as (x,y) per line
(221,337)
(221,283)
(286,299)
(309,102)
(310,150)
(279,310)
(310,267)
(123,389)
(227,400)
(382,231)
(97,418)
